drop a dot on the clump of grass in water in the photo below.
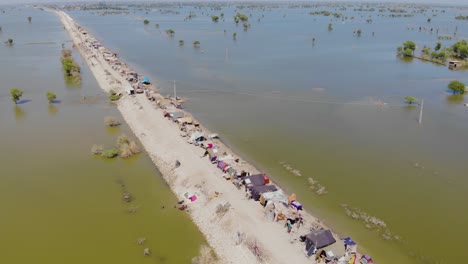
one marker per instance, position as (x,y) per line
(315,185)
(110,153)
(113,96)
(97,149)
(111,121)
(290,169)
(370,222)
(126,147)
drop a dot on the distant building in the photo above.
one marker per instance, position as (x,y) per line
(454,64)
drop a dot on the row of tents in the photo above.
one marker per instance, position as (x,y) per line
(318,242)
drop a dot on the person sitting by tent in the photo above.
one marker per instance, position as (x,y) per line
(289,224)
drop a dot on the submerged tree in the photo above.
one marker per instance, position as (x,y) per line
(29,19)
(359,32)
(408,52)
(409,45)
(411,100)
(407,49)
(51,96)
(16,94)
(457,87)
(170,32)
(461,49)
(330,27)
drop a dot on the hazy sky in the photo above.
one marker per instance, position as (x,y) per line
(456,2)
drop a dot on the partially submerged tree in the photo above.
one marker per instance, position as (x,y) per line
(9,42)
(411,100)
(359,32)
(29,19)
(196,44)
(214,18)
(51,96)
(181,42)
(170,32)
(146,21)
(234,36)
(16,94)
(457,87)
(408,52)
(409,45)
(330,27)
(461,49)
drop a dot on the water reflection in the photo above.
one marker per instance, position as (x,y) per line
(405,59)
(112,131)
(20,114)
(455,98)
(53,110)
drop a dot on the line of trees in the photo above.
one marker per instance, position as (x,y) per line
(439,54)
(70,67)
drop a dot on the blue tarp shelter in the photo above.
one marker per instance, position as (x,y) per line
(145,80)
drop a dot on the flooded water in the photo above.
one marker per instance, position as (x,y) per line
(59,203)
(331,110)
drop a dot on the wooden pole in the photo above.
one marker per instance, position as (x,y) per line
(421,111)
(175,94)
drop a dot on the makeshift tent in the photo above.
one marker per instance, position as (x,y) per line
(145,80)
(277,196)
(350,245)
(291,198)
(227,158)
(319,239)
(366,259)
(163,103)
(213,136)
(176,115)
(256,191)
(231,171)
(196,137)
(254,180)
(222,165)
(186,120)
(129,89)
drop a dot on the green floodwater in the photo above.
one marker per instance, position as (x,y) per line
(59,204)
(275,97)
